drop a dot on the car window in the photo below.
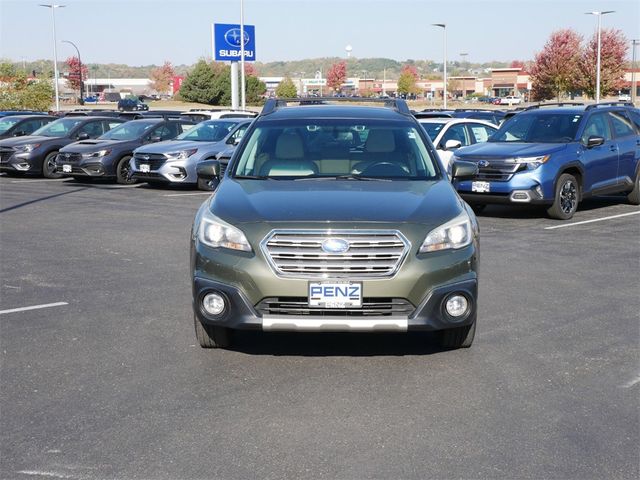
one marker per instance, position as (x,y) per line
(237,135)
(481,133)
(128,130)
(93,129)
(109,124)
(635,117)
(30,126)
(7,122)
(622,126)
(596,126)
(433,128)
(456,132)
(59,128)
(209,131)
(167,132)
(335,148)
(539,128)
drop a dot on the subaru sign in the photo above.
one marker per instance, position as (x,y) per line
(228,42)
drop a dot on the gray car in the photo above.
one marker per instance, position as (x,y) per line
(175,161)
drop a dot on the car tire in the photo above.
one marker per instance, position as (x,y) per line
(212,337)
(49,166)
(634,196)
(566,198)
(460,337)
(123,170)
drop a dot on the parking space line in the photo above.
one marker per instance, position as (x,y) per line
(187,194)
(631,383)
(33,307)
(592,221)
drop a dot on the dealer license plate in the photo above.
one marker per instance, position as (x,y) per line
(145,168)
(480,187)
(335,295)
(66,168)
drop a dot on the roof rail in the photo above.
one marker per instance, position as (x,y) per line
(555,104)
(272,104)
(609,104)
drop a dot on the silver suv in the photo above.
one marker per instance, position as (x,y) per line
(175,161)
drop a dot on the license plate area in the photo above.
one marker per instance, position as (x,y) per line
(66,168)
(145,167)
(480,187)
(335,294)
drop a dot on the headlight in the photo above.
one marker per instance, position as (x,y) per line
(215,233)
(454,234)
(182,155)
(98,154)
(531,162)
(30,147)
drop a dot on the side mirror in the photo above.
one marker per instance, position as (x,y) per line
(19,133)
(594,141)
(462,170)
(83,136)
(155,139)
(452,144)
(209,172)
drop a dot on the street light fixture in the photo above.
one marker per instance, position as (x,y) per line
(79,69)
(53,7)
(444,73)
(599,15)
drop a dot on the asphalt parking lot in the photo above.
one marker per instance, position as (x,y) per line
(108,382)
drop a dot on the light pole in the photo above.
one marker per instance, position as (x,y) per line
(599,15)
(444,72)
(79,70)
(53,7)
(243,95)
(634,44)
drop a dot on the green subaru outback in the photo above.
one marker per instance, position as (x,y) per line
(335,217)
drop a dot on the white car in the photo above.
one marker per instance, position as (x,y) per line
(510,100)
(449,134)
(624,97)
(201,114)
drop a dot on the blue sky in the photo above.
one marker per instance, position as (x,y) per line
(142,32)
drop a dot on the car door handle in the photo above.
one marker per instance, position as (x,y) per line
(613,148)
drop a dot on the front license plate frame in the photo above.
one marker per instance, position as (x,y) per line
(145,168)
(335,294)
(480,187)
(66,168)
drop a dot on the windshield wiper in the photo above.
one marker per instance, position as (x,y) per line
(343,177)
(253,177)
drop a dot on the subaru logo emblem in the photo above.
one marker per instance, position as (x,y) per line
(483,163)
(67,155)
(144,157)
(335,245)
(232,37)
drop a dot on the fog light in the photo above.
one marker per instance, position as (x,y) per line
(538,190)
(457,305)
(214,303)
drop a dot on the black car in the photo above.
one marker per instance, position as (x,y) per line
(494,116)
(131,104)
(92,113)
(108,156)
(36,153)
(21,125)
(136,115)
(7,113)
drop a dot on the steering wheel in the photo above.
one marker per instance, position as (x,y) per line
(385,169)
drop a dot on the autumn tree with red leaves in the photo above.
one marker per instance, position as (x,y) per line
(407,80)
(555,68)
(73,66)
(337,75)
(613,50)
(161,77)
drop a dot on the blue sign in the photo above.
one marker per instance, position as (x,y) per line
(228,42)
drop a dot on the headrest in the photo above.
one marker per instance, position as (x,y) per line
(288,146)
(380,141)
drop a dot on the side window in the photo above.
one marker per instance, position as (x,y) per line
(93,129)
(456,132)
(597,126)
(167,131)
(481,133)
(185,127)
(237,135)
(108,125)
(635,117)
(30,126)
(622,126)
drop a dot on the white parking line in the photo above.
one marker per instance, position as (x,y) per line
(40,180)
(33,307)
(187,194)
(631,383)
(592,221)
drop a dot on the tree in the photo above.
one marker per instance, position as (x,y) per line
(161,77)
(407,80)
(200,84)
(554,70)
(19,93)
(73,79)
(286,89)
(613,50)
(255,90)
(337,75)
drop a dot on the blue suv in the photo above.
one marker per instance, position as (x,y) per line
(556,156)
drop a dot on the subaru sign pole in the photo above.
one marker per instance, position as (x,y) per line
(235,43)
(242,85)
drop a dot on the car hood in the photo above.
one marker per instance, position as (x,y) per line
(507,150)
(176,145)
(17,141)
(281,201)
(85,146)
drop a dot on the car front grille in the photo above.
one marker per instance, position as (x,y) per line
(496,170)
(154,160)
(5,153)
(69,157)
(300,254)
(371,307)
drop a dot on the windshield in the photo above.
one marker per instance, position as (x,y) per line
(539,128)
(7,122)
(433,128)
(129,130)
(211,131)
(336,148)
(59,128)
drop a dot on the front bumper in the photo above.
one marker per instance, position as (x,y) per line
(519,190)
(21,163)
(85,169)
(171,171)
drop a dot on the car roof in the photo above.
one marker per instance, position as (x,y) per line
(31,116)
(335,111)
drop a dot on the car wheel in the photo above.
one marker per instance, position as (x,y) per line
(461,337)
(566,198)
(123,170)
(212,337)
(634,196)
(49,166)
